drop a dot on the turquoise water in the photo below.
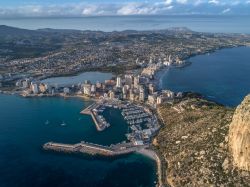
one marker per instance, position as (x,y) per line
(203,23)
(24,164)
(91,76)
(223,76)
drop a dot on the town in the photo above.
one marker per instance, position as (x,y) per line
(58,53)
(135,93)
(135,86)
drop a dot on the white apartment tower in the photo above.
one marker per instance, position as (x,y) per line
(118,82)
(136,81)
(34,88)
(142,94)
(87,89)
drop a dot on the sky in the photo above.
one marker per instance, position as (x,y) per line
(47,8)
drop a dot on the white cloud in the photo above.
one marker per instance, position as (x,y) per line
(136,9)
(127,10)
(168,2)
(169,7)
(89,10)
(182,1)
(216,2)
(226,11)
(133,8)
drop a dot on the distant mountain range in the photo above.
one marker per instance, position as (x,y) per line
(13,31)
(7,30)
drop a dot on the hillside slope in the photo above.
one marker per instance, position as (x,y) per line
(194,143)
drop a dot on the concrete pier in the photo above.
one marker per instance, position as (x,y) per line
(88,109)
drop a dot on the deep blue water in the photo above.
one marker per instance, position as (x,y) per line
(223,76)
(24,164)
(203,23)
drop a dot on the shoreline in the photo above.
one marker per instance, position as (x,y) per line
(158,80)
(149,153)
(114,73)
(161,72)
(49,96)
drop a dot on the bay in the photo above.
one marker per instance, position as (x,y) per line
(23,131)
(222,76)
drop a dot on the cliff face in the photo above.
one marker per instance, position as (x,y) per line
(239,136)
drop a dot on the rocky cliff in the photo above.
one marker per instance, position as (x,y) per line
(193,143)
(239,136)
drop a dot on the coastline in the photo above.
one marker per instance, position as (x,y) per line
(147,152)
(49,95)
(154,156)
(161,72)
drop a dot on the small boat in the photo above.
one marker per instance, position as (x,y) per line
(63,124)
(47,122)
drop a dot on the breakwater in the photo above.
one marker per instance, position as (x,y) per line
(94,149)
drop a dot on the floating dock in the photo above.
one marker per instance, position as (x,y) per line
(94,149)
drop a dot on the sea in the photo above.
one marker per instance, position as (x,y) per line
(222,76)
(201,23)
(27,123)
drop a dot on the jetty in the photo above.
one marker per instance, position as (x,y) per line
(87,110)
(100,123)
(94,149)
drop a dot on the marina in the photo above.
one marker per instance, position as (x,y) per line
(40,168)
(142,124)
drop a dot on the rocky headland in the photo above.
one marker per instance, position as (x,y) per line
(239,136)
(195,145)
